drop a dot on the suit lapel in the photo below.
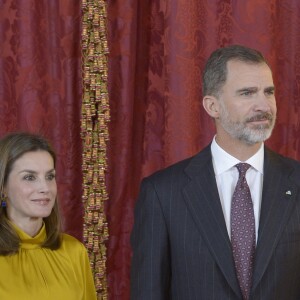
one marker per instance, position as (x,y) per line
(278,200)
(202,200)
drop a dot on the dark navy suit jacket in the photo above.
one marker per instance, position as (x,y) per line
(181,248)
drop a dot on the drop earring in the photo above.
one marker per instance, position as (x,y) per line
(3,201)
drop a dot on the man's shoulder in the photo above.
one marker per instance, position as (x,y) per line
(283,161)
(271,153)
(179,168)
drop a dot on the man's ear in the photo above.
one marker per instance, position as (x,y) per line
(211,105)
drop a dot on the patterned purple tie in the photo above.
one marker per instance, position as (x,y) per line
(243,231)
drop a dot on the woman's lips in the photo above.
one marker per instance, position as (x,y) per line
(41,202)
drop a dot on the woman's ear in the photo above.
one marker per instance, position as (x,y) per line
(211,105)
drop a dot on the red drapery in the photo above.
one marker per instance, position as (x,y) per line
(157,53)
(40,86)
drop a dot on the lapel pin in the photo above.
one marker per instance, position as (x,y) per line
(288,193)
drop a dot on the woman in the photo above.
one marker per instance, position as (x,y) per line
(37,261)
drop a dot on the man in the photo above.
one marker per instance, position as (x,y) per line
(199,232)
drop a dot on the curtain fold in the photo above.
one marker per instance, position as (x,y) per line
(157,55)
(40,87)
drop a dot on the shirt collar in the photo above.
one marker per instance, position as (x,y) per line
(223,161)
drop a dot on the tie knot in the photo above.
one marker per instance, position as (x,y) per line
(243,167)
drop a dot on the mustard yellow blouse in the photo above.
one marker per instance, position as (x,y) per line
(36,273)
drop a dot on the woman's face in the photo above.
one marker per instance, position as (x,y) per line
(31,187)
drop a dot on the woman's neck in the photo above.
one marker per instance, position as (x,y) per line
(31,226)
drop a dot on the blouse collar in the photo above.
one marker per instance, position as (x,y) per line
(28,242)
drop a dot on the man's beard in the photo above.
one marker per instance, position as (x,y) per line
(242,132)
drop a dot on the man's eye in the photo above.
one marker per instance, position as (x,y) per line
(246,93)
(270,93)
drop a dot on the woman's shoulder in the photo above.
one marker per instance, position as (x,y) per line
(71,243)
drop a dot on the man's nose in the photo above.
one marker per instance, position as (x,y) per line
(264,103)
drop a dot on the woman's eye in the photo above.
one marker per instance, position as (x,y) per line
(29,177)
(51,177)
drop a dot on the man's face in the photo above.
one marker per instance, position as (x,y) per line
(247,103)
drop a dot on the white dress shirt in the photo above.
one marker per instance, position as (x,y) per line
(227,176)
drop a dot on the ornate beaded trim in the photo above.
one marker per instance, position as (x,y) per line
(94,133)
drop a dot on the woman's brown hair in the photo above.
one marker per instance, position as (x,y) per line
(12,147)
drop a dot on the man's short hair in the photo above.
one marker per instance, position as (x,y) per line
(215,71)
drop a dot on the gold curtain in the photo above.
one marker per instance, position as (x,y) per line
(94,133)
